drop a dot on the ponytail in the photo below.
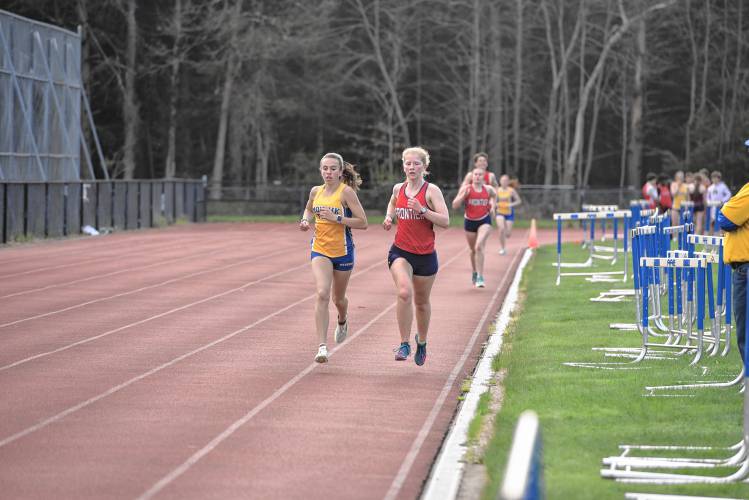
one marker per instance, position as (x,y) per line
(350,176)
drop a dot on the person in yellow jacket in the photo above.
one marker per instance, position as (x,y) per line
(734,220)
(336,209)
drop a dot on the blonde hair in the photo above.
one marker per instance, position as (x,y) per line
(349,175)
(423,155)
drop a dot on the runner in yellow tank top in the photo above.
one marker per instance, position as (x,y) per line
(507,200)
(332,239)
(336,209)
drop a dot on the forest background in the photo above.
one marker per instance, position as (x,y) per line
(575,92)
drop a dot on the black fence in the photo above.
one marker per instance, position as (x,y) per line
(54,209)
(538,201)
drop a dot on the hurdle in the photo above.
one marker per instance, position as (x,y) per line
(711,216)
(721,309)
(587,207)
(738,459)
(592,217)
(646,275)
(523,477)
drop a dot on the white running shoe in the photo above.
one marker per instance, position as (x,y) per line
(341,330)
(502,251)
(480,282)
(322,354)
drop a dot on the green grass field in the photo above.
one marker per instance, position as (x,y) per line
(586,413)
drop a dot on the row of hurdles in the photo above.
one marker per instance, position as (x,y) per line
(681,290)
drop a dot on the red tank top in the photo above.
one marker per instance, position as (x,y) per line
(414,232)
(487,178)
(477,203)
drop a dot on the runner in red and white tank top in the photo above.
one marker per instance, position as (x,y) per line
(481,160)
(417,206)
(414,232)
(480,202)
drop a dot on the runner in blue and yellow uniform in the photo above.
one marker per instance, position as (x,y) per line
(336,210)
(507,200)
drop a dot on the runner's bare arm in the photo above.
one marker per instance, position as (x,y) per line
(493,180)
(460,198)
(515,200)
(358,220)
(390,210)
(492,201)
(439,216)
(308,215)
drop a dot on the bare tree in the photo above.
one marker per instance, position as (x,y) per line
(130,101)
(230,72)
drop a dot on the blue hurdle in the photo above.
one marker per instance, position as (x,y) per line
(591,217)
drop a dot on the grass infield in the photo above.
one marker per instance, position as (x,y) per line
(586,413)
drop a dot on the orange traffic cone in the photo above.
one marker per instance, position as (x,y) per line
(532,238)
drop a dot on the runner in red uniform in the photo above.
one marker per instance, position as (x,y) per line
(480,201)
(418,206)
(481,160)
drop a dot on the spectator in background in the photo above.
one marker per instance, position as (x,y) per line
(697,191)
(679,193)
(665,202)
(649,190)
(734,220)
(717,195)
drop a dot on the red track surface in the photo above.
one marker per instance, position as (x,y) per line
(177,363)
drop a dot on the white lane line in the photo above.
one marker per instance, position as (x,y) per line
(155,247)
(149,287)
(444,481)
(405,467)
(193,459)
(151,318)
(126,270)
(157,316)
(117,388)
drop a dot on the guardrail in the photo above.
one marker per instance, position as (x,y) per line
(56,209)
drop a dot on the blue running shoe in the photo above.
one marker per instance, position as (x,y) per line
(403,351)
(421,352)
(473,278)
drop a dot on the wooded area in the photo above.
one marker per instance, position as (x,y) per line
(577,92)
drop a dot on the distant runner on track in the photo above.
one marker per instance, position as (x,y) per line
(336,209)
(507,200)
(481,161)
(480,201)
(418,206)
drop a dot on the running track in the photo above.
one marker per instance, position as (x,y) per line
(177,363)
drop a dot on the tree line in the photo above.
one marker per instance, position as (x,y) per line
(253,92)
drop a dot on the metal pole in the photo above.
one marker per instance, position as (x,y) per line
(14,78)
(63,127)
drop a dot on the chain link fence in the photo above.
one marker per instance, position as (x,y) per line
(538,201)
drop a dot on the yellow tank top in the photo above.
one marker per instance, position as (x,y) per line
(331,238)
(504,198)
(681,195)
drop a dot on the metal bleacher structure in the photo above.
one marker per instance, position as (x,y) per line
(46,190)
